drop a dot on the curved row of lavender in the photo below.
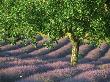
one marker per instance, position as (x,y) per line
(25,63)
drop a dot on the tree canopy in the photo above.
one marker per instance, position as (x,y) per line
(84,19)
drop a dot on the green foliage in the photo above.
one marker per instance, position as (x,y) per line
(22,19)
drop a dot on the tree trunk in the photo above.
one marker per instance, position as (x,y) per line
(74,56)
(75,48)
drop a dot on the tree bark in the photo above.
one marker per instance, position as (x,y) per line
(74,55)
(75,48)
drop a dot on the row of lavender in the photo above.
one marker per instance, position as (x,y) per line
(25,63)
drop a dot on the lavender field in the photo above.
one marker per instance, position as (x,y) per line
(19,63)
